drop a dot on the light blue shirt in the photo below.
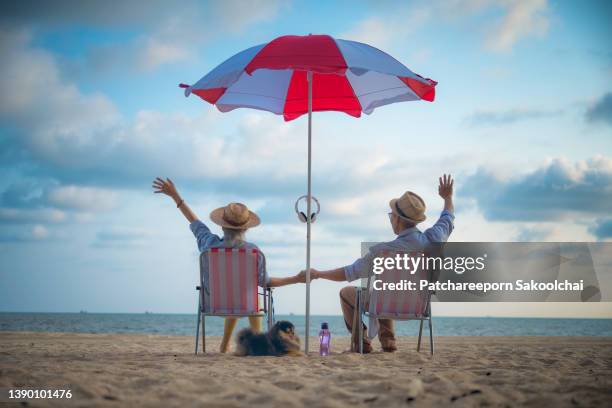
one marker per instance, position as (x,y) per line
(410,239)
(207,240)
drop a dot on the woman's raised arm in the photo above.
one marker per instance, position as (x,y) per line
(168,188)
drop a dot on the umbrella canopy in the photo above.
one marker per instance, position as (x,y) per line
(293,75)
(272,77)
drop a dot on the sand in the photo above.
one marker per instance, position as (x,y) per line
(143,370)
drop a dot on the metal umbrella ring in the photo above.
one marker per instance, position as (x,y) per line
(301,215)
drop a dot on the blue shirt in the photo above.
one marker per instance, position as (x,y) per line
(410,239)
(207,240)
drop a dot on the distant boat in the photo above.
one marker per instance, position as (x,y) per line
(83,312)
(147,312)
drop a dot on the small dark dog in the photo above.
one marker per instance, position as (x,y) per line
(281,340)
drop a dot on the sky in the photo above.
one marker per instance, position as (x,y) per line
(90,114)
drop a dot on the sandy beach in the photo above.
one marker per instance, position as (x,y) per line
(146,370)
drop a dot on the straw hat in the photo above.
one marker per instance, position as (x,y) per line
(235,216)
(409,207)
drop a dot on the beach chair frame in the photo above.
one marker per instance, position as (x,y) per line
(264,292)
(362,298)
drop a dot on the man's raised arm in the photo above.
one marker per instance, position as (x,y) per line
(442,229)
(445,190)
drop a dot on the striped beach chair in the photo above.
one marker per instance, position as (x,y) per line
(395,304)
(229,287)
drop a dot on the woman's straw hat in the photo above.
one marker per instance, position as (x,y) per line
(235,216)
(409,207)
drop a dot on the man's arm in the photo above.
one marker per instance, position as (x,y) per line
(168,188)
(442,229)
(445,189)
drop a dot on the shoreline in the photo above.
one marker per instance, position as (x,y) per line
(161,370)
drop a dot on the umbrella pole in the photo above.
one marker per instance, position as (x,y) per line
(308,211)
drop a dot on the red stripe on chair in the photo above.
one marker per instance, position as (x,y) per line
(215,283)
(242,271)
(317,53)
(393,277)
(329,93)
(209,95)
(418,312)
(230,302)
(255,271)
(425,89)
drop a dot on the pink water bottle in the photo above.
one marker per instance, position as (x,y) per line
(324,339)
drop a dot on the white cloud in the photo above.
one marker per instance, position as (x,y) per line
(56,118)
(560,190)
(88,199)
(382,31)
(522,19)
(173,33)
(181,33)
(19,216)
(236,15)
(39,232)
(121,238)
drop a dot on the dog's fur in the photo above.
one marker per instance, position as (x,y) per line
(281,340)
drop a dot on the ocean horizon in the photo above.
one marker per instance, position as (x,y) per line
(183,324)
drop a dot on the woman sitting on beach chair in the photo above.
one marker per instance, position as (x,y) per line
(234,219)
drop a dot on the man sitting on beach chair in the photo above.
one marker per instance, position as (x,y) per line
(234,219)
(406,212)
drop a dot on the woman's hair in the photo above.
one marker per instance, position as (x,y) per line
(233,237)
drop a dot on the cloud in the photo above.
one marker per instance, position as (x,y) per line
(29,216)
(94,13)
(236,15)
(29,201)
(491,118)
(533,234)
(602,228)
(56,120)
(522,19)
(519,20)
(36,233)
(120,238)
(382,31)
(560,190)
(601,111)
(87,199)
(39,232)
(170,34)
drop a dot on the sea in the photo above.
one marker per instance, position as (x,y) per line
(185,324)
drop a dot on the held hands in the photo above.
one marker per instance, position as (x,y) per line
(301,277)
(166,187)
(445,189)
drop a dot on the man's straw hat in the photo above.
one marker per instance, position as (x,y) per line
(235,216)
(409,207)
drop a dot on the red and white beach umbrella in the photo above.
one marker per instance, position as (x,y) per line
(293,75)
